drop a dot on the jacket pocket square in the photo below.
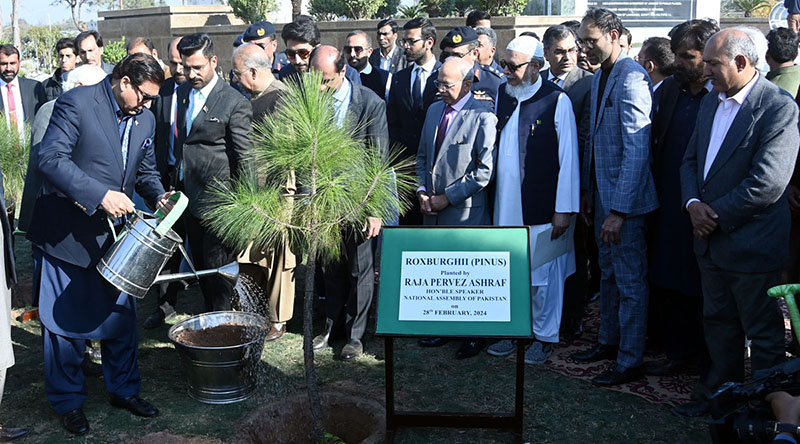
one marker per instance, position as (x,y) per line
(146,144)
(213,119)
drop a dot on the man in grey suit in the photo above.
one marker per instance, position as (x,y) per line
(617,186)
(733,178)
(451,185)
(350,282)
(451,182)
(214,123)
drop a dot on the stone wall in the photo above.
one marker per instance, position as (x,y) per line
(162,24)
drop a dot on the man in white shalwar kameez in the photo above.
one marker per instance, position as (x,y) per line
(7,278)
(537,174)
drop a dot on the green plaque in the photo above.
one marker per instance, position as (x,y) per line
(455,281)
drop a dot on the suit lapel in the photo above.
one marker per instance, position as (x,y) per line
(180,117)
(108,121)
(211,100)
(355,109)
(454,125)
(612,79)
(739,128)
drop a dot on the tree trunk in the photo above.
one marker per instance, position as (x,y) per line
(15,23)
(317,426)
(297,8)
(75,7)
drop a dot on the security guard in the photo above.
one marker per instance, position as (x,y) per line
(462,41)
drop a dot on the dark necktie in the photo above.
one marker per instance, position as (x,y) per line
(416,89)
(442,132)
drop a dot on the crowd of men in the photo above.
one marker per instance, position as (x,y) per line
(671,171)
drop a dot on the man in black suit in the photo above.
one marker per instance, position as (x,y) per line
(358,50)
(561,53)
(350,282)
(214,123)
(411,93)
(67,60)
(389,56)
(165,109)
(301,37)
(20,96)
(90,47)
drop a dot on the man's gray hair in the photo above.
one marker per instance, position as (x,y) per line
(736,44)
(259,60)
(361,33)
(539,60)
(488,32)
(761,44)
(85,75)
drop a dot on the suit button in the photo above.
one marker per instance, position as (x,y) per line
(703,190)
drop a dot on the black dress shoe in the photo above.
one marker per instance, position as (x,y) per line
(135,405)
(75,421)
(352,350)
(692,409)
(155,320)
(469,349)
(616,375)
(11,433)
(664,367)
(596,353)
(432,342)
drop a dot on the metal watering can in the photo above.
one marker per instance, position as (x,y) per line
(139,253)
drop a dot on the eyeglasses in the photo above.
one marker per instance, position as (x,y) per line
(357,49)
(145,97)
(444,86)
(563,52)
(303,53)
(409,42)
(512,67)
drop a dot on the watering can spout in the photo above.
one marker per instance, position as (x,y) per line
(229,272)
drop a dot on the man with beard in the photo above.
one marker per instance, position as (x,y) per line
(618,190)
(676,301)
(358,50)
(390,57)
(20,96)
(165,109)
(411,93)
(537,181)
(212,144)
(656,58)
(67,58)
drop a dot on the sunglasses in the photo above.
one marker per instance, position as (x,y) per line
(512,67)
(145,97)
(357,49)
(303,53)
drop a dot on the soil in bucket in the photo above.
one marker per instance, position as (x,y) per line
(225,335)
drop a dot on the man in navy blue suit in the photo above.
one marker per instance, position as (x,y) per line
(96,151)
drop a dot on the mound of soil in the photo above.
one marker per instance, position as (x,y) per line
(225,335)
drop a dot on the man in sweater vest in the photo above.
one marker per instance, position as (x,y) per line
(537,180)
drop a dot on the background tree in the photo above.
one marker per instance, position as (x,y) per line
(436,8)
(387,10)
(75,7)
(114,51)
(354,9)
(344,183)
(746,6)
(39,42)
(326,10)
(15,23)
(251,11)
(502,7)
(412,11)
(297,8)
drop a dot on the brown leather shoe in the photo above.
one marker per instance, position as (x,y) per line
(11,433)
(275,333)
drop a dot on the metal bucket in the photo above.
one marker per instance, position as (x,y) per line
(137,257)
(221,375)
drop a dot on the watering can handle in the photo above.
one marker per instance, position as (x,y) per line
(168,220)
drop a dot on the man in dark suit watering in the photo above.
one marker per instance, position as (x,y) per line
(733,180)
(98,148)
(213,124)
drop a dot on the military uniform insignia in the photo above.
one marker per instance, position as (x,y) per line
(480,94)
(261,32)
(457,38)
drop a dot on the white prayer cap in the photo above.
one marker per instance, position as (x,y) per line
(527,45)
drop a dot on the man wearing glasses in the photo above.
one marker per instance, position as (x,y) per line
(462,42)
(358,50)
(537,181)
(301,37)
(389,57)
(98,148)
(213,125)
(411,93)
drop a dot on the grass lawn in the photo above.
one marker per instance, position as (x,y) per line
(558,409)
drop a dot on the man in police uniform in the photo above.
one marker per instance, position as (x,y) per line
(462,41)
(487,51)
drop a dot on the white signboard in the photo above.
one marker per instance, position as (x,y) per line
(455,286)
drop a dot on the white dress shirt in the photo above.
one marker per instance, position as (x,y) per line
(17,102)
(427,68)
(723,118)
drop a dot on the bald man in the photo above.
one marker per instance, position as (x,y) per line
(733,179)
(349,283)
